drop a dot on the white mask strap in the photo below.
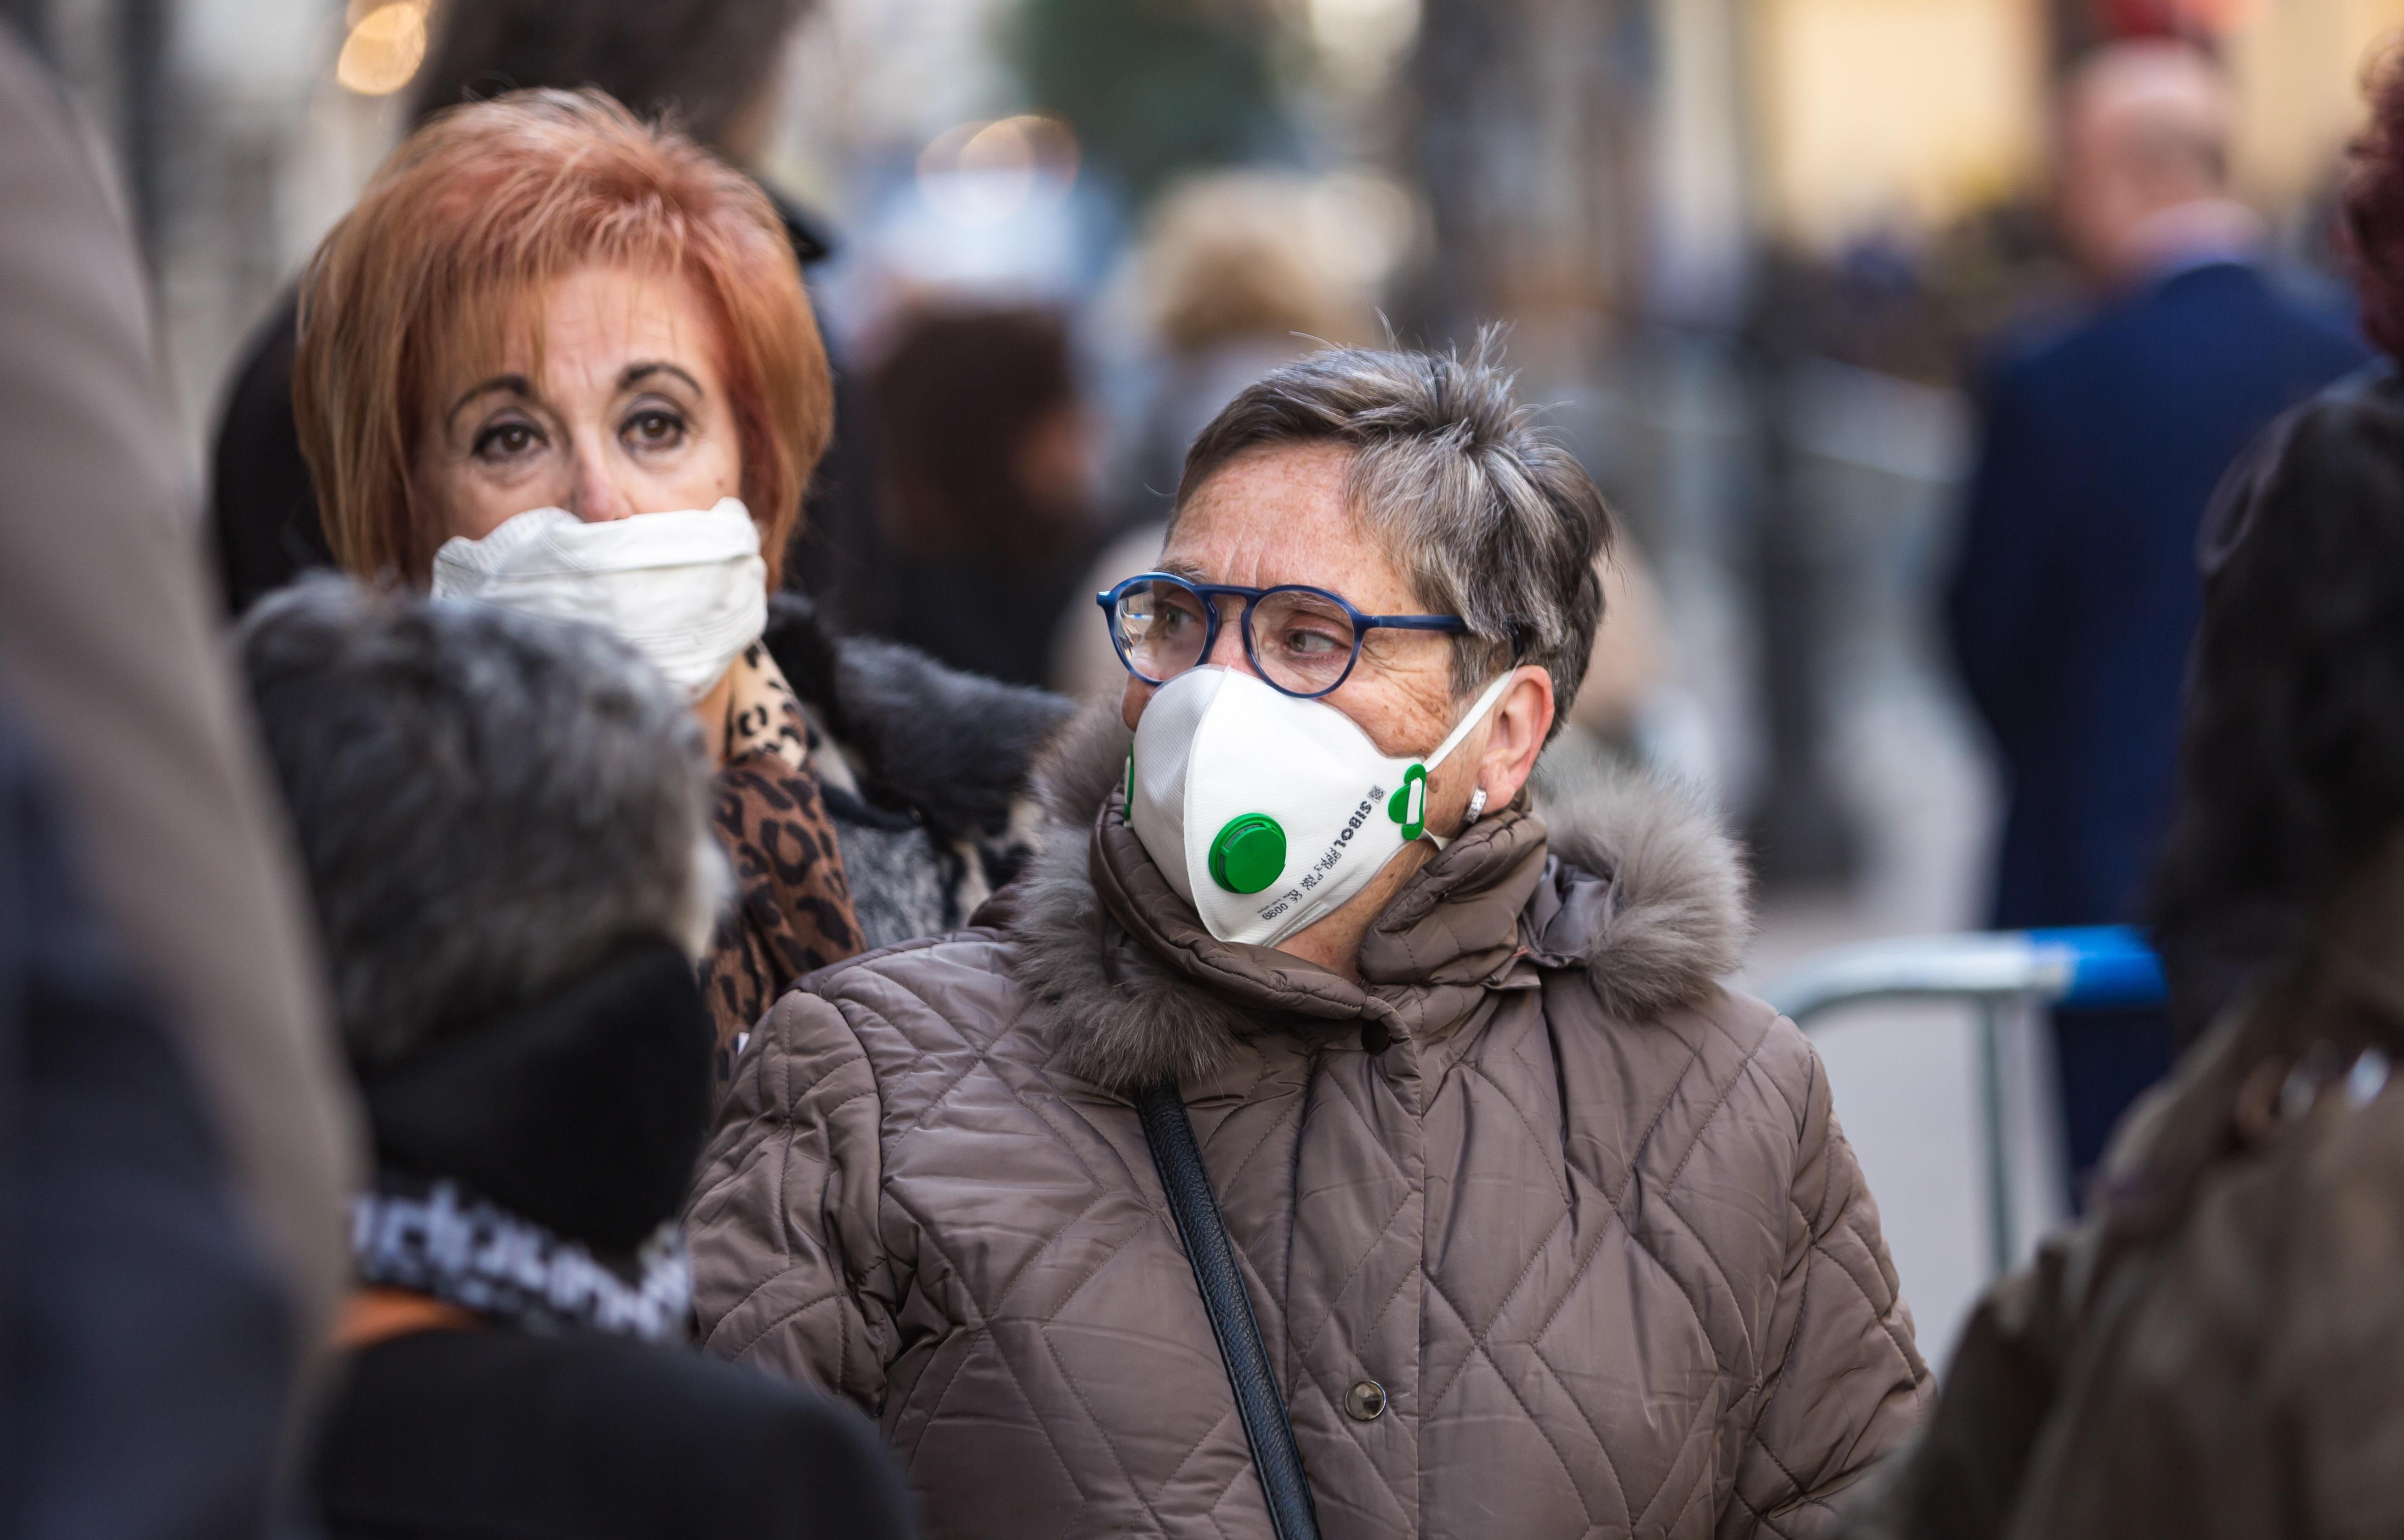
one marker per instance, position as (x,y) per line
(1476,714)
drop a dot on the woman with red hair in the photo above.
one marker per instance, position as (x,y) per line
(560,360)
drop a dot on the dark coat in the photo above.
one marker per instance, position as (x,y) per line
(579,1117)
(2077,593)
(2212,1354)
(584,1436)
(149,1350)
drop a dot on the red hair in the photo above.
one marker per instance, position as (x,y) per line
(444,262)
(2372,213)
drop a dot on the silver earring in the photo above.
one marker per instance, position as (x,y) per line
(1476,805)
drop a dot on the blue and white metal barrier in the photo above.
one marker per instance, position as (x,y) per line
(2095,968)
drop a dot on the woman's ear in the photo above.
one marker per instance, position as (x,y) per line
(1515,734)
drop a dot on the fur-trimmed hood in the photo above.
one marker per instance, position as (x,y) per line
(1624,879)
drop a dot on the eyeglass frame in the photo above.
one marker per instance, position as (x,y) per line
(1208,593)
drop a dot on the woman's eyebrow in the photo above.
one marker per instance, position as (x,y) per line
(515,385)
(636,373)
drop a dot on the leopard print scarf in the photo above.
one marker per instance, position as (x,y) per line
(793,912)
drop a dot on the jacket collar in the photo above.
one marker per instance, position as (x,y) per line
(1626,881)
(950,749)
(1451,931)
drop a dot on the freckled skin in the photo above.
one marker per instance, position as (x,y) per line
(1278,516)
(628,415)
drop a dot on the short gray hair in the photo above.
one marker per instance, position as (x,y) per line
(1492,519)
(487,804)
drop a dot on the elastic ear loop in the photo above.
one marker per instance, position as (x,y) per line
(1476,714)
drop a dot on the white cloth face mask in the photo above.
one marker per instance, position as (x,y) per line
(1267,812)
(688,591)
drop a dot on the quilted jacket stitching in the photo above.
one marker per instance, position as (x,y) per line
(1644,1141)
(969,1344)
(1882,1314)
(1601,1446)
(1149,1500)
(1336,1295)
(1001,1355)
(787,1317)
(1035,1254)
(1719,1269)
(1369,1129)
(1700,1428)
(1719,1105)
(1199,1444)
(1803,1314)
(1435,1290)
(1276,1126)
(1561,1185)
(1706,1481)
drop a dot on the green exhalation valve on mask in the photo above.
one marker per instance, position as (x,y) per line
(1249,854)
(1408,806)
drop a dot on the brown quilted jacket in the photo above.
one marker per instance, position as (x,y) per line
(1582,1213)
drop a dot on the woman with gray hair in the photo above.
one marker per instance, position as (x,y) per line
(505,822)
(1504,1217)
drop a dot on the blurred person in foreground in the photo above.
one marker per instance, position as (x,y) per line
(2075,600)
(559,360)
(505,825)
(1547,1232)
(2214,1352)
(986,457)
(713,67)
(174,1135)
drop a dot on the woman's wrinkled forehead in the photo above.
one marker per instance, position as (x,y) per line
(503,326)
(1289,513)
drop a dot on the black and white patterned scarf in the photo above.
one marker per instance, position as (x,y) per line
(439,1238)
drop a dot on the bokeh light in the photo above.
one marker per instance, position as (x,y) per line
(980,174)
(384,48)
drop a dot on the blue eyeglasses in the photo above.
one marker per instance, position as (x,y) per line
(1302,641)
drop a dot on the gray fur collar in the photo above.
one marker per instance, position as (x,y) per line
(1646,896)
(952,749)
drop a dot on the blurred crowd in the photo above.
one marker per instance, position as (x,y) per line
(710,893)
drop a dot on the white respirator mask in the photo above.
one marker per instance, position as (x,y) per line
(1267,812)
(688,591)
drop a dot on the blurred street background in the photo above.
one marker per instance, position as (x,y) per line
(1745,252)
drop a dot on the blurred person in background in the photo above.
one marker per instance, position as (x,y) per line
(2214,1352)
(505,825)
(713,67)
(987,458)
(560,360)
(2074,597)
(1232,283)
(1547,1233)
(1227,283)
(174,1135)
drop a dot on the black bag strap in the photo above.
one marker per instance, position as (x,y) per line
(1274,1455)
